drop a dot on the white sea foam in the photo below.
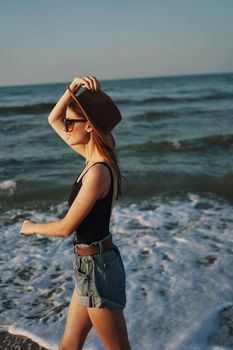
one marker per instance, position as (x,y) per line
(8,185)
(38,340)
(178,255)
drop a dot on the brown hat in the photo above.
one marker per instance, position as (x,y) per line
(101,112)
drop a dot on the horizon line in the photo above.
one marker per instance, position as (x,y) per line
(129,78)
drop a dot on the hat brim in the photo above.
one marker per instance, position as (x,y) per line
(107,139)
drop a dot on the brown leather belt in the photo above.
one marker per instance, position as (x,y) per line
(95,249)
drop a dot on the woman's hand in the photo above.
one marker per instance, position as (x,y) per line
(86,82)
(27,227)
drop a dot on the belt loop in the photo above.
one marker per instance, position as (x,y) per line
(101,247)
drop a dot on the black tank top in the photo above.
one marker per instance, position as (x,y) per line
(95,226)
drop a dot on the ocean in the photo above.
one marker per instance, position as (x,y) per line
(173,223)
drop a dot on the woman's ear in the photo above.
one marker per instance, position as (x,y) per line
(89,128)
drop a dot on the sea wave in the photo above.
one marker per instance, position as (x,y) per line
(177,183)
(152,115)
(189,145)
(27,109)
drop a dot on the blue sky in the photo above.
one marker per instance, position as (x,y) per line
(52,40)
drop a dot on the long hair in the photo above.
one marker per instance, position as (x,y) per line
(110,156)
(105,151)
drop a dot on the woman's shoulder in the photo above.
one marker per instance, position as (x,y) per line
(97,179)
(99,171)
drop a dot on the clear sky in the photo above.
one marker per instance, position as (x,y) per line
(53,40)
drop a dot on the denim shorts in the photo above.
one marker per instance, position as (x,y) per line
(100,280)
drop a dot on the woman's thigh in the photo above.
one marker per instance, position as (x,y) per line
(110,327)
(78,324)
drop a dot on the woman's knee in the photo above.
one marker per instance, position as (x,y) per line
(69,345)
(66,346)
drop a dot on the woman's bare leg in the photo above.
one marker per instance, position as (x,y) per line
(110,327)
(78,325)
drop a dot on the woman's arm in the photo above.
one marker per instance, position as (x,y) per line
(95,185)
(59,109)
(55,228)
(57,114)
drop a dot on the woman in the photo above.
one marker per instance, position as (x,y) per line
(85,122)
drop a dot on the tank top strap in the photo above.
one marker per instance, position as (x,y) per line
(85,172)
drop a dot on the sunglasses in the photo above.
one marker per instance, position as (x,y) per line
(69,123)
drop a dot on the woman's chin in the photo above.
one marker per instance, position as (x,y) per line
(70,141)
(73,143)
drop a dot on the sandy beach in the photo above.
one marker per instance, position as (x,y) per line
(15,342)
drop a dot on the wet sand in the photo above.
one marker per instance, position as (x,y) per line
(17,342)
